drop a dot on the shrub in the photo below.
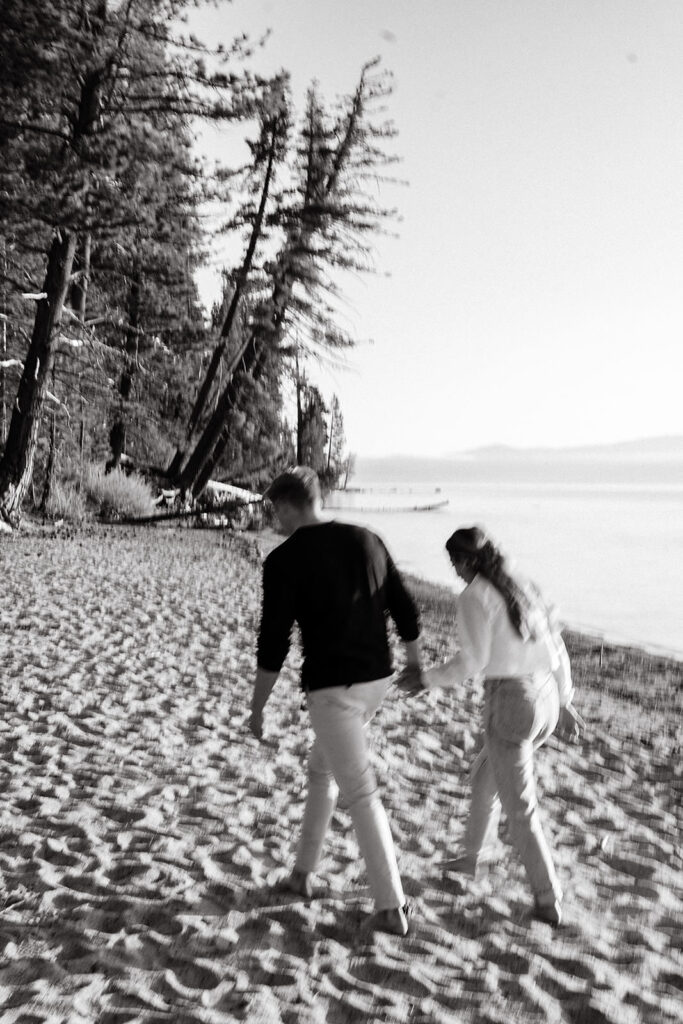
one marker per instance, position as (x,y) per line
(116,493)
(434,600)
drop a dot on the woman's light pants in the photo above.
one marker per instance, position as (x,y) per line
(519,715)
(339,764)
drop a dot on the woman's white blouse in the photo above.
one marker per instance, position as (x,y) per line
(489,645)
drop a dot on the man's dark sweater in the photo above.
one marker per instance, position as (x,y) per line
(338,582)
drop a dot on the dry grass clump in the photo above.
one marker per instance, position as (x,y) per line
(66,501)
(436,602)
(116,493)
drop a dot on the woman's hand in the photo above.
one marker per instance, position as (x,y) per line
(571,725)
(410,681)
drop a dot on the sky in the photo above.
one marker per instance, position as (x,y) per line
(533,295)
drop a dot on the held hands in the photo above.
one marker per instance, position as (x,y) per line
(571,725)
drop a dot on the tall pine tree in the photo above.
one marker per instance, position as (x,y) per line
(89,90)
(325,230)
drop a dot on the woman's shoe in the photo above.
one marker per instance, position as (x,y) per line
(465,864)
(550,913)
(468,864)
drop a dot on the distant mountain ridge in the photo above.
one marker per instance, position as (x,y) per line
(671,445)
(658,459)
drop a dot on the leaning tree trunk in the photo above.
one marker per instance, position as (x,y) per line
(214,457)
(50,468)
(211,444)
(175,467)
(3,401)
(312,222)
(248,356)
(77,299)
(16,465)
(299,413)
(79,286)
(117,436)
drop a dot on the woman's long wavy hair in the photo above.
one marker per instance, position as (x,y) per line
(523,600)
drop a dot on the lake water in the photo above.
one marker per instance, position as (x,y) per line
(605,543)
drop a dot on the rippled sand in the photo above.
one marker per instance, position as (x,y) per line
(141,825)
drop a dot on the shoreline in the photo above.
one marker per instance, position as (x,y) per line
(270,539)
(593,633)
(604,595)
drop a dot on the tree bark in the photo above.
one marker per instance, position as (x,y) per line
(117,436)
(16,465)
(3,401)
(299,414)
(49,469)
(79,288)
(211,461)
(3,397)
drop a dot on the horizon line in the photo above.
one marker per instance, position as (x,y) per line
(671,439)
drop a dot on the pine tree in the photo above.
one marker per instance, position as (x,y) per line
(325,230)
(268,151)
(90,92)
(336,445)
(314,435)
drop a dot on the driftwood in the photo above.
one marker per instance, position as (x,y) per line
(161,517)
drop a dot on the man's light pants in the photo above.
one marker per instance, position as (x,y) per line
(339,763)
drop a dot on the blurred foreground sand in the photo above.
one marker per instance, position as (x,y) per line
(140,823)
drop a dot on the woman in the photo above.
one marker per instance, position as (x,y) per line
(506,635)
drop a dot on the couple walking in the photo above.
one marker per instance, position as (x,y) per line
(338,582)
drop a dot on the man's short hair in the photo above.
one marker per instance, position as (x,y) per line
(298,486)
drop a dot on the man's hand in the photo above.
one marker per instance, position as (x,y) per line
(255,723)
(571,725)
(263,684)
(409,681)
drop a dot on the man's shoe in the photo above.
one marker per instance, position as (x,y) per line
(393,922)
(550,913)
(298,882)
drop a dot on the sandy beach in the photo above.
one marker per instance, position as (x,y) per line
(141,826)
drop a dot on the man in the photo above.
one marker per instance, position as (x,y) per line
(338,582)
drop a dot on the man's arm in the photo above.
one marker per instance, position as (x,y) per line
(475,638)
(277,619)
(413,654)
(403,611)
(473,627)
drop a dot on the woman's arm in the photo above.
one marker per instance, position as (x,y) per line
(474,630)
(474,634)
